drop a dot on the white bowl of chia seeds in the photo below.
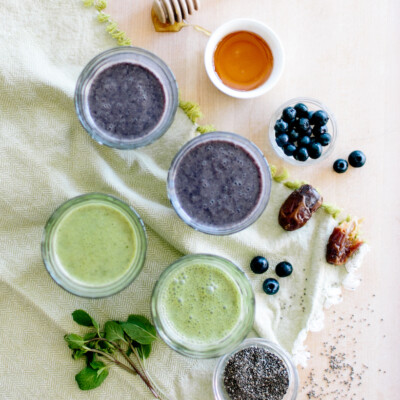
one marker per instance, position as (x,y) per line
(256,370)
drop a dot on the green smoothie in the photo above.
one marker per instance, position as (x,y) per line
(95,243)
(201,303)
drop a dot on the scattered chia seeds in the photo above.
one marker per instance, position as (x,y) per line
(256,374)
(342,376)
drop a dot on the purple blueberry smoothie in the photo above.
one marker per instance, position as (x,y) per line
(126,100)
(218,183)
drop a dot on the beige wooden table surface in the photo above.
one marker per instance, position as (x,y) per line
(346,54)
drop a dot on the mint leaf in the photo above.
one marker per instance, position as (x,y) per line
(90,357)
(142,322)
(144,351)
(75,342)
(83,318)
(97,365)
(90,335)
(77,354)
(138,333)
(90,378)
(114,331)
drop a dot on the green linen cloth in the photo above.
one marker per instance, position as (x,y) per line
(46,158)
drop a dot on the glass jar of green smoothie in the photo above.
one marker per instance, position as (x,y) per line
(94,245)
(203,306)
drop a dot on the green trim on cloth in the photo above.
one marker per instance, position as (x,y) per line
(111,25)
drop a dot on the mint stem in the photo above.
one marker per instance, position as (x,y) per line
(135,352)
(111,358)
(143,376)
(136,370)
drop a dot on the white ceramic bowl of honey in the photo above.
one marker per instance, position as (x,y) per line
(244,58)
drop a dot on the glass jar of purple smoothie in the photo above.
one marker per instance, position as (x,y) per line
(126,97)
(219,183)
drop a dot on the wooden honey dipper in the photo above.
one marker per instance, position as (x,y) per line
(174,11)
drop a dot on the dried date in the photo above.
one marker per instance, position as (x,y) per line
(299,207)
(342,243)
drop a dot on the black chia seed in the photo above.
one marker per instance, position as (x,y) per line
(256,374)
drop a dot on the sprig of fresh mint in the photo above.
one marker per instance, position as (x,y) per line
(101,348)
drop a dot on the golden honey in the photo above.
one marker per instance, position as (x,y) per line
(243,60)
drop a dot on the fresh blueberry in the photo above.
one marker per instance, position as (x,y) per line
(340,166)
(320,130)
(289,114)
(308,132)
(283,269)
(293,125)
(315,150)
(301,154)
(310,114)
(320,117)
(303,124)
(259,265)
(271,286)
(293,136)
(325,139)
(304,141)
(281,126)
(357,158)
(290,149)
(282,139)
(301,110)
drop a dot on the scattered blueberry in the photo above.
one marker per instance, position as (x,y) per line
(282,139)
(304,141)
(310,114)
(320,117)
(357,158)
(301,110)
(283,269)
(289,114)
(290,149)
(281,126)
(315,150)
(325,139)
(293,135)
(301,154)
(320,130)
(259,265)
(271,286)
(303,124)
(340,166)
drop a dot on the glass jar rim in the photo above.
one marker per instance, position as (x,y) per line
(332,122)
(240,330)
(136,55)
(257,157)
(272,347)
(61,277)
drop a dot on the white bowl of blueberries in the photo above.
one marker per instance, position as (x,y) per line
(303,131)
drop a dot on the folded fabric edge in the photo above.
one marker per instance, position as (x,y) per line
(333,296)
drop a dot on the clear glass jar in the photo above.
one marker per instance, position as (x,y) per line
(186,346)
(218,377)
(265,182)
(80,287)
(130,55)
(313,105)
